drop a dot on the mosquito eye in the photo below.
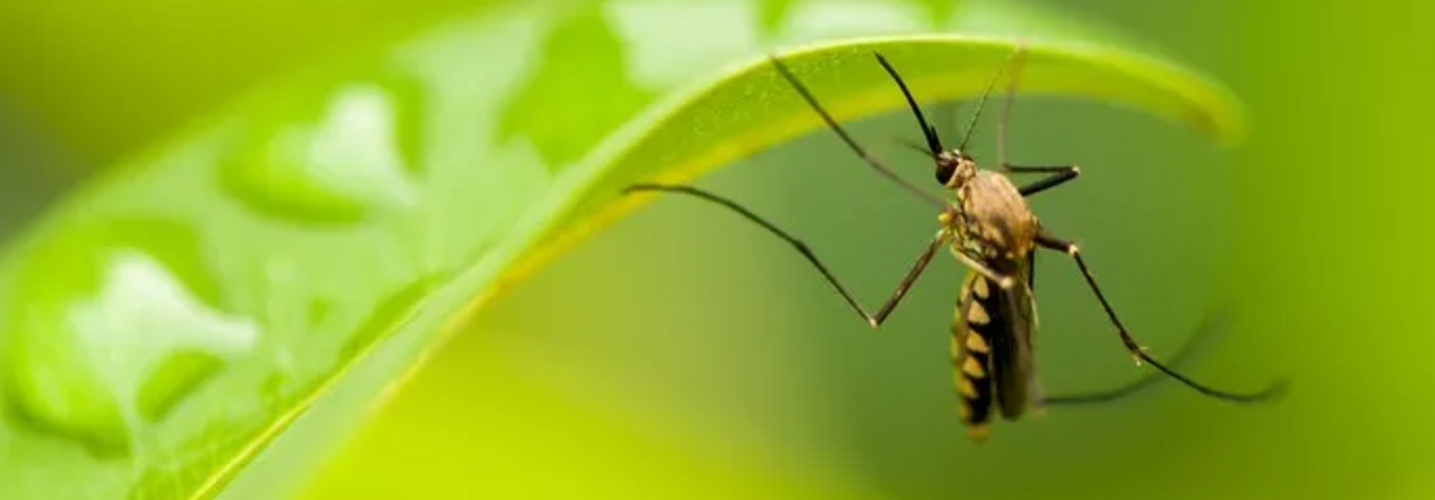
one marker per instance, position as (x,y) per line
(945,170)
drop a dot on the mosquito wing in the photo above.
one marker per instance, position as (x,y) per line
(1013,328)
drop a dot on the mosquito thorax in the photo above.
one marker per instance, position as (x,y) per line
(996,213)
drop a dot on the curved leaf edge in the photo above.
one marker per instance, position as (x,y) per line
(1225,124)
(1224,121)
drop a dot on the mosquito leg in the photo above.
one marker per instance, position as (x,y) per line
(1059,175)
(875,320)
(872,161)
(1018,58)
(911,278)
(1212,327)
(1043,169)
(1031,273)
(1013,63)
(1002,280)
(1138,352)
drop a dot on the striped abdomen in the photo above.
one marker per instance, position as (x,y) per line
(991,350)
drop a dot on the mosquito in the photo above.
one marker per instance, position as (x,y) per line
(988,227)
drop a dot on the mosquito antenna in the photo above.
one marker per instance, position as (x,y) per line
(907,143)
(982,102)
(876,164)
(934,143)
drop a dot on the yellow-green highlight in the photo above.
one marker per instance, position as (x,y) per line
(681,353)
(1310,229)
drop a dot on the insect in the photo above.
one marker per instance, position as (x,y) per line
(988,227)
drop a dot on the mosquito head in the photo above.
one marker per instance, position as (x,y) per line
(955,169)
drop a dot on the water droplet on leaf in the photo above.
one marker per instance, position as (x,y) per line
(331,158)
(118,325)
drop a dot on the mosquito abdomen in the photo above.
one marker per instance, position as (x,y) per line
(971,358)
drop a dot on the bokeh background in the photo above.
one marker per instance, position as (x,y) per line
(684,354)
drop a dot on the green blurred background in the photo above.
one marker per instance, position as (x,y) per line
(683,354)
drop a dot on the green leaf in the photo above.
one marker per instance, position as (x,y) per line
(252,287)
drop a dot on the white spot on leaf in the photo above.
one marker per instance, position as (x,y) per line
(141,316)
(354,148)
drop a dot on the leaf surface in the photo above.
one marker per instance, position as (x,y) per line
(253,286)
